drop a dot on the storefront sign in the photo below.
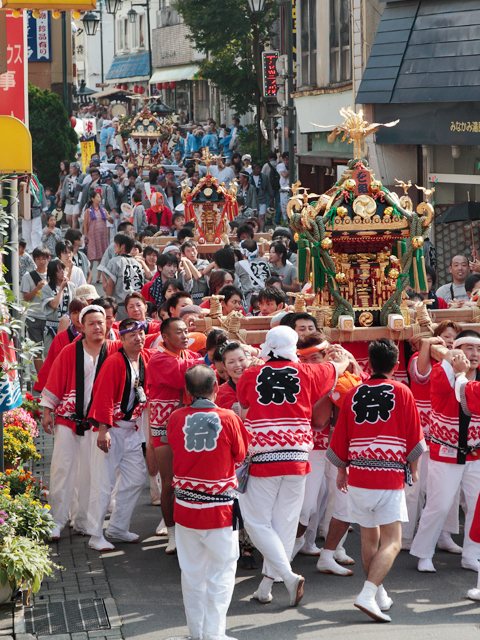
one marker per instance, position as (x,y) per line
(38,37)
(13,83)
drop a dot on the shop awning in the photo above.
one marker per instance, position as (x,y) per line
(424,51)
(320,109)
(175,74)
(129,67)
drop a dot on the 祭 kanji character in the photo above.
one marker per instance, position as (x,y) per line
(201,431)
(7,80)
(373,403)
(278,385)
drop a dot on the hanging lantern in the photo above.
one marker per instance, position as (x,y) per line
(171,85)
(142,90)
(159,86)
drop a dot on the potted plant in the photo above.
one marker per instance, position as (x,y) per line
(23,564)
(18,446)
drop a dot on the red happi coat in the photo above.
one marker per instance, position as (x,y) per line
(420,387)
(61,340)
(166,385)
(206,442)
(280,422)
(109,388)
(61,386)
(359,351)
(226,396)
(377,432)
(446,416)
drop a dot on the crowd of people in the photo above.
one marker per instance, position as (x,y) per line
(247,448)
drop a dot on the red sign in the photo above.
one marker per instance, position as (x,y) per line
(13,83)
(269,60)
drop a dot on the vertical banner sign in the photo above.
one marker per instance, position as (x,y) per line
(87,148)
(269,73)
(294,38)
(38,37)
(13,83)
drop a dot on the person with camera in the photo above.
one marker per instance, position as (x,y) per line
(66,399)
(117,462)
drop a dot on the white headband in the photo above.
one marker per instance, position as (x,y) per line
(465,340)
(91,307)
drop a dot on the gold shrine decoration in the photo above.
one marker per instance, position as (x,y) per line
(354,129)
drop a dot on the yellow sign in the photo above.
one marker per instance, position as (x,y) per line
(16,147)
(48,5)
(88,149)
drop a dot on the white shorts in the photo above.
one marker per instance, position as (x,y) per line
(373,507)
(72,209)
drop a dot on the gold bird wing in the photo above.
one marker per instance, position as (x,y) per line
(375,126)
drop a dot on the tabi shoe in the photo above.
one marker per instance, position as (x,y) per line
(328,564)
(425,565)
(171,547)
(161,530)
(310,550)
(368,605)
(340,555)
(383,599)
(296,590)
(122,536)
(263,598)
(446,543)
(55,535)
(472,564)
(100,544)
(473,594)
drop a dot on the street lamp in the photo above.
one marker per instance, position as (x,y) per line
(90,22)
(112,6)
(132,16)
(256,8)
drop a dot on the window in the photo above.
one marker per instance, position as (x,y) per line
(141,27)
(134,34)
(121,35)
(125,34)
(340,53)
(308,42)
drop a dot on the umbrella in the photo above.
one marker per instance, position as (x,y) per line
(463,212)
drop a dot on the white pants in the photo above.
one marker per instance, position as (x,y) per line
(443,483)
(416,497)
(337,501)
(208,561)
(70,477)
(271,509)
(121,470)
(315,486)
(32,233)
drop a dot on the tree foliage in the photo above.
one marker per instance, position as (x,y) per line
(53,138)
(223,31)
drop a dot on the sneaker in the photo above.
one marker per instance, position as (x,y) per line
(98,543)
(296,590)
(55,535)
(122,536)
(329,565)
(369,606)
(425,565)
(446,543)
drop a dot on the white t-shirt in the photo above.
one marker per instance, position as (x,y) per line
(458,290)
(284,182)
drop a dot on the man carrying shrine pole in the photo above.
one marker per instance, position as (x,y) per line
(376,445)
(279,396)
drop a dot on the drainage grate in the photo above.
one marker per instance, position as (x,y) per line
(70,616)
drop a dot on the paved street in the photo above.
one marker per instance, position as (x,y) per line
(145,584)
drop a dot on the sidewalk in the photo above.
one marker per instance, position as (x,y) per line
(76,603)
